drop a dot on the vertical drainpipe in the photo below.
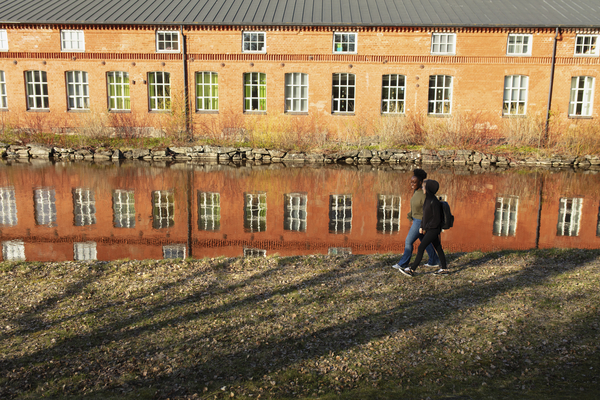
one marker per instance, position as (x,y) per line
(185,86)
(551,87)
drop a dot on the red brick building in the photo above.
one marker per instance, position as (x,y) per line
(341,63)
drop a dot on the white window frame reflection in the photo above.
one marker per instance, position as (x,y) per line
(174,251)
(84,207)
(13,250)
(44,200)
(85,251)
(209,211)
(163,209)
(8,207)
(252,252)
(123,208)
(255,212)
(569,216)
(295,212)
(388,213)
(340,213)
(506,216)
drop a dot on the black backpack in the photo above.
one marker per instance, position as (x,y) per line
(447,217)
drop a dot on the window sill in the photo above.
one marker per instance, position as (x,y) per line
(443,54)
(439,115)
(514,116)
(42,110)
(120,111)
(518,55)
(72,51)
(75,110)
(296,112)
(580,117)
(249,112)
(586,55)
(343,114)
(345,52)
(389,114)
(168,52)
(207,111)
(254,52)
(159,111)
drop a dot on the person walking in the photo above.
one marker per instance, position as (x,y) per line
(431,228)
(415,215)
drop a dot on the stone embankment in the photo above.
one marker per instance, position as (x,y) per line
(226,155)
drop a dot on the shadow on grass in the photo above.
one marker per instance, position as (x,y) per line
(232,348)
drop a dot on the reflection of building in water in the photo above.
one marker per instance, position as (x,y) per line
(295,215)
(8,206)
(251,252)
(339,251)
(84,251)
(505,217)
(255,212)
(163,209)
(84,207)
(340,213)
(124,208)
(388,213)
(13,250)
(174,251)
(209,211)
(45,206)
(569,216)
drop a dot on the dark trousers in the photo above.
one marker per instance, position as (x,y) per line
(431,236)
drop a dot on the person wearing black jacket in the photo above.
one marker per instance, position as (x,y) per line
(431,227)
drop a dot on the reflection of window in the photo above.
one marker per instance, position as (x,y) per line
(45,206)
(569,216)
(339,251)
(296,92)
(174,251)
(159,86)
(586,45)
(8,206)
(209,211)
(167,41)
(505,218)
(392,94)
(388,213)
(84,207)
(255,212)
(254,42)
(519,45)
(294,218)
(344,42)
(72,40)
(443,43)
(118,90)
(13,250)
(207,91)
(250,252)
(255,91)
(124,208)
(340,213)
(515,95)
(163,209)
(77,90)
(440,94)
(37,90)
(344,86)
(84,251)
(582,96)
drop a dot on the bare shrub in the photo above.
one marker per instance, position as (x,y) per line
(575,137)
(400,130)
(460,130)
(524,131)
(93,124)
(174,123)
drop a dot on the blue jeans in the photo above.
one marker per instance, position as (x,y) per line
(413,235)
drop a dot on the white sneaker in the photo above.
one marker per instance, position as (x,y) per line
(442,271)
(432,265)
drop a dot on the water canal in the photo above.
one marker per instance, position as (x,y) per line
(86,211)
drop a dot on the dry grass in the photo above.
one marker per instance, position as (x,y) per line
(501,326)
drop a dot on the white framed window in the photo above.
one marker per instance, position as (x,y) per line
(440,95)
(515,95)
(8,207)
(84,207)
(296,92)
(582,96)
(3,95)
(78,97)
(388,213)
(393,90)
(207,91)
(345,42)
(118,91)
(37,90)
(586,45)
(255,91)
(505,217)
(167,41)
(159,91)
(172,251)
(3,40)
(344,92)
(255,212)
(209,211)
(84,251)
(254,42)
(340,213)
(72,40)
(13,250)
(519,44)
(295,212)
(443,43)
(45,206)
(569,216)
(123,208)
(163,209)
(252,252)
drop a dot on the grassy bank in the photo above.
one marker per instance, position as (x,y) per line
(502,325)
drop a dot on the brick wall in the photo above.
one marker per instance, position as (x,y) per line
(478,69)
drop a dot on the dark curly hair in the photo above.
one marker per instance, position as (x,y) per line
(421,174)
